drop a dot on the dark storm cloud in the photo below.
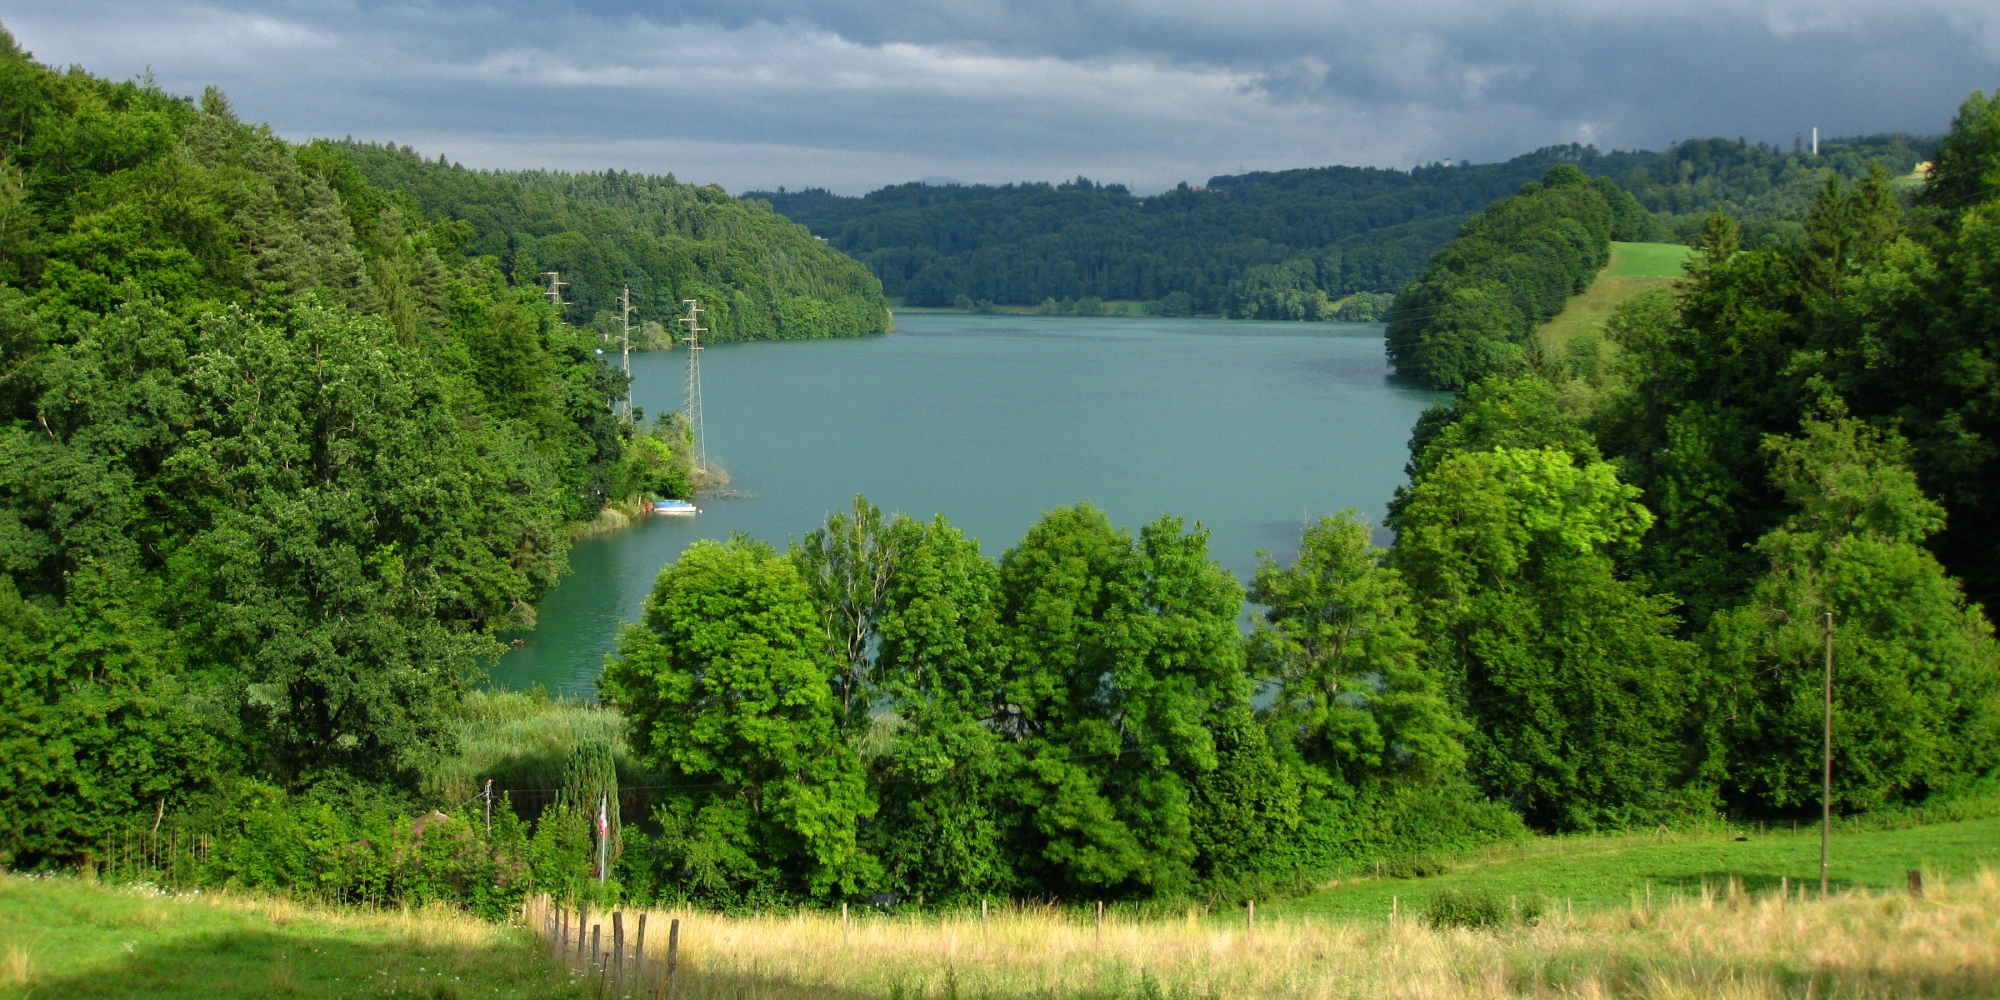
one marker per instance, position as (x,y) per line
(854,94)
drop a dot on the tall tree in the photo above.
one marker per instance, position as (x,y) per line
(1567,670)
(730,694)
(1917,672)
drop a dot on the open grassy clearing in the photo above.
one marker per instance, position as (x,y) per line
(1634,268)
(1604,873)
(62,937)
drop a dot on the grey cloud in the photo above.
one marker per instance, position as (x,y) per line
(856,94)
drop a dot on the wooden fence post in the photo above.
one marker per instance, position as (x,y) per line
(673,954)
(639,951)
(617,950)
(1917,883)
(582,911)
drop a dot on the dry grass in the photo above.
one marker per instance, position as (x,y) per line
(1728,945)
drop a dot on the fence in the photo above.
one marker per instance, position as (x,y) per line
(577,941)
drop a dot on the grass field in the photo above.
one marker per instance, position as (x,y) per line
(60,937)
(1634,268)
(1602,873)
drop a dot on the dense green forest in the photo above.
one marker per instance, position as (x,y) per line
(757,275)
(283,453)
(1277,244)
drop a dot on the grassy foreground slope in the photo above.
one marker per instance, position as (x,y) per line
(61,937)
(1635,268)
(1607,873)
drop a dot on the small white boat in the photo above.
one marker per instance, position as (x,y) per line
(675,508)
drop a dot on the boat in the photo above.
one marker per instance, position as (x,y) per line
(675,508)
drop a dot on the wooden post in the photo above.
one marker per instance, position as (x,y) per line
(1785,889)
(1395,909)
(673,954)
(843,916)
(582,910)
(1826,789)
(1250,920)
(1100,918)
(1916,883)
(595,944)
(639,951)
(617,950)
(562,933)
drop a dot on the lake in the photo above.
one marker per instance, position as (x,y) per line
(1247,427)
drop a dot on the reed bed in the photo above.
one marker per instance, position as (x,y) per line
(1724,943)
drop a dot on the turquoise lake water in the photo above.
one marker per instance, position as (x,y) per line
(1243,426)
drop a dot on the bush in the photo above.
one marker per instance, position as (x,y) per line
(1480,908)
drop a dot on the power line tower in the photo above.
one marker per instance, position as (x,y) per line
(554,294)
(625,353)
(693,408)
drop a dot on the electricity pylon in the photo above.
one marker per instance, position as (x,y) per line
(625,353)
(693,408)
(554,294)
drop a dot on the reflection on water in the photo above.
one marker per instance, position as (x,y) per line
(1246,427)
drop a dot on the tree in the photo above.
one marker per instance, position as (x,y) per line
(1339,649)
(729,693)
(848,565)
(1120,656)
(1567,671)
(1917,672)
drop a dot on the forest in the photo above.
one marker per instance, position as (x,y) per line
(1287,244)
(757,276)
(282,453)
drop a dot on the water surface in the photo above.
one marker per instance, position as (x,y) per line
(1245,427)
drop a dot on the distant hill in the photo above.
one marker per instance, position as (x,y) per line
(1249,244)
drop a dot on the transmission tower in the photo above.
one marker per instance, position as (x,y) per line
(554,294)
(625,320)
(693,409)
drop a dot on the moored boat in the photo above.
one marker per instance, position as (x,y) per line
(676,508)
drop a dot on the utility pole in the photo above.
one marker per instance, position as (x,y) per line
(693,408)
(554,294)
(1826,787)
(625,321)
(1815,140)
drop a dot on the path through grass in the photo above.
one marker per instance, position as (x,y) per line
(1634,268)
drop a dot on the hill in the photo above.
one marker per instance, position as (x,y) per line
(758,275)
(1241,244)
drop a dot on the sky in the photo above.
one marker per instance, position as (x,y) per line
(855,94)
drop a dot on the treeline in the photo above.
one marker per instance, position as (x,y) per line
(281,456)
(1348,229)
(885,708)
(1280,244)
(757,275)
(1475,309)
